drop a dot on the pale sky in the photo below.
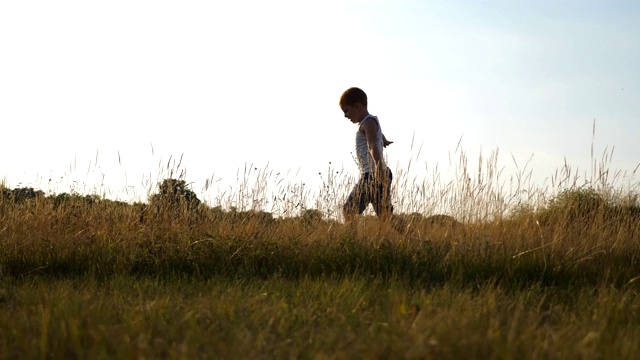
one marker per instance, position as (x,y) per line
(100,95)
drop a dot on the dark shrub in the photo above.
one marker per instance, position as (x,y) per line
(174,194)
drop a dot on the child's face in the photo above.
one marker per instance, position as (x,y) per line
(354,112)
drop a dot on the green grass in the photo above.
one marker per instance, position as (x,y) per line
(361,317)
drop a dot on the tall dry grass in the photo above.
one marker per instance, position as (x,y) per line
(490,229)
(492,268)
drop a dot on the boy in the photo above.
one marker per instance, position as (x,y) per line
(374,186)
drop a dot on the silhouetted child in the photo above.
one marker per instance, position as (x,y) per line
(374,185)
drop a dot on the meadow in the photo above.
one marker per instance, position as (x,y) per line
(513,272)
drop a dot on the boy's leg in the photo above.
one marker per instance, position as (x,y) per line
(381,197)
(384,208)
(357,201)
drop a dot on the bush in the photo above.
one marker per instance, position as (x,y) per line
(18,195)
(174,194)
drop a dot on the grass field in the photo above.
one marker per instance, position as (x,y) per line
(85,277)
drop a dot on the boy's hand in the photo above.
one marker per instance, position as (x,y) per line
(386,142)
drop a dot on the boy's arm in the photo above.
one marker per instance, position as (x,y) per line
(370,129)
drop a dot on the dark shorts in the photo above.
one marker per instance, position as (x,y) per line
(367,191)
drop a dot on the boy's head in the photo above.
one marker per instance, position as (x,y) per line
(353,103)
(353,96)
